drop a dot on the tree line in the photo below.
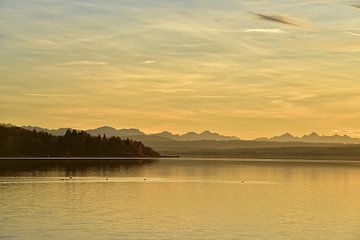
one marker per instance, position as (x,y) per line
(19,142)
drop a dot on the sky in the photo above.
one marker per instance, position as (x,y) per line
(248,68)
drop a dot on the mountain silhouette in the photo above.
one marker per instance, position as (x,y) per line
(206,143)
(139,135)
(312,138)
(55,132)
(192,136)
(112,132)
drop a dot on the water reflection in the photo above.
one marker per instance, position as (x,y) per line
(191,169)
(69,167)
(174,199)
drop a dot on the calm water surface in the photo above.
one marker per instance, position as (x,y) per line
(182,199)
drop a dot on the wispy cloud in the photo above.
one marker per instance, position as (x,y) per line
(85,62)
(45,42)
(48,95)
(264,30)
(352,33)
(276,18)
(149,62)
(357,6)
(349,132)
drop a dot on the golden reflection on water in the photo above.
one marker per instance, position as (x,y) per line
(174,199)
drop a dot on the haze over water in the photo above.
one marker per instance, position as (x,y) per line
(174,199)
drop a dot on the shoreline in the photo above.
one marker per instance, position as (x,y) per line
(184,158)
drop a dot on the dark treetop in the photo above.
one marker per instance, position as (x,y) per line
(18,142)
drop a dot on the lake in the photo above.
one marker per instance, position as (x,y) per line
(181,199)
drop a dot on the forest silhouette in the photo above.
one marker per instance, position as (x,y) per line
(18,142)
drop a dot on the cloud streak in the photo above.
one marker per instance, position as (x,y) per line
(352,33)
(85,62)
(149,62)
(276,18)
(357,6)
(264,30)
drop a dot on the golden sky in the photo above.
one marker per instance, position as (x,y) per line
(248,68)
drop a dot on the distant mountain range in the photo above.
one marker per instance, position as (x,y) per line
(165,136)
(138,135)
(312,138)
(208,144)
(192,136)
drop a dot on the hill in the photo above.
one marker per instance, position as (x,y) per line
(19,142)
(345,152)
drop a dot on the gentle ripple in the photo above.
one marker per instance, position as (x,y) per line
(174,199)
